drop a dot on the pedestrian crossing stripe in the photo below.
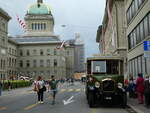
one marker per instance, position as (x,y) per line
(70,90)
(78,90)
(62,90)
(30,106)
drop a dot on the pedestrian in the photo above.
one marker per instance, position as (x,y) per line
(9,85)
(39,88)
(126,83)
(132,87)
(140,88)
(1,87)
(53,85)
(147,90)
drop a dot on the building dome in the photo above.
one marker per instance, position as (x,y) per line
(39,8)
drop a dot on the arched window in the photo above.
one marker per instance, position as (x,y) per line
(32,26)
(28,63)
(55,62)
(41,52)
(28,53)
(21,63)
(35,26)
(41,26)
(38,26)
(44,26)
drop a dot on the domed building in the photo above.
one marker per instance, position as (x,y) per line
(37,52)
(39,20)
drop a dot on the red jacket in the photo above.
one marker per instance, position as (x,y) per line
(140,84)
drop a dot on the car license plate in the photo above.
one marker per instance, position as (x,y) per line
(108,98)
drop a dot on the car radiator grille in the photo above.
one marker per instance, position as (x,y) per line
(108,85)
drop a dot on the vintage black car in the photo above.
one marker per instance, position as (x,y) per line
(105,81)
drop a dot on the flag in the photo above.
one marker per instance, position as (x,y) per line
(22,23)
(63,42)
(109,13)
(111,23)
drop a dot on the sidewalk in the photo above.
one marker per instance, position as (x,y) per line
(139,108)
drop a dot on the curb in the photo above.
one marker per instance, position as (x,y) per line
(135,109)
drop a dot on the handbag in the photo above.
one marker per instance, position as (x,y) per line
(35,89)
(44,88)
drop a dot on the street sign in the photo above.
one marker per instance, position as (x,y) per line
(146,49)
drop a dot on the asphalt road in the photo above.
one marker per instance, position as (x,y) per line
(25,101)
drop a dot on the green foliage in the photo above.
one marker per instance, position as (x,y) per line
(16,84)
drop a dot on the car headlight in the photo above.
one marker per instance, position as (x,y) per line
(120,85)
(91,87)
(97,84)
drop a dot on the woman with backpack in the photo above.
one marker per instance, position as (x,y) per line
(39,87)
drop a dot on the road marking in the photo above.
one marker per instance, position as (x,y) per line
(70,90)
(93,110)
(62,90)
(30,106)
(3,108)
(77,90)
(137,110)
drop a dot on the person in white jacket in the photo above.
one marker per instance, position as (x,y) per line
(38,86)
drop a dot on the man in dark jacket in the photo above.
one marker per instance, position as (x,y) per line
(147,91)
(53,85)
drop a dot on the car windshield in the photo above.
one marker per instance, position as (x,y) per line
(108,67)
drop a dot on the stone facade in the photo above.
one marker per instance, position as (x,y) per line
(138,30)
(12,56)
(79,53)
(37,51)
(111,35)
(4,18)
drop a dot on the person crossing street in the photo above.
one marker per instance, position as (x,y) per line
(53,85)
(39,88)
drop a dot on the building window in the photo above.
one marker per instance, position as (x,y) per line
(142,30)
(41,73)
(21,53)
(48,73)
(21,63)
(138,34)
(35,26)
(67,52)
(15,62)
(48,51)
(55,72)
(48,63)
(149,22)
(41,26)
(34,63)
(146,26)
(9,50)
(133,9)
(28,53)
(41,63)
(34,52)
(32,26)
(28,63)
(44,26)
(41,52)
(38,26)
(55,52)
(55,62)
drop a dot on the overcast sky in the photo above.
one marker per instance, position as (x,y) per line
(83,16)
